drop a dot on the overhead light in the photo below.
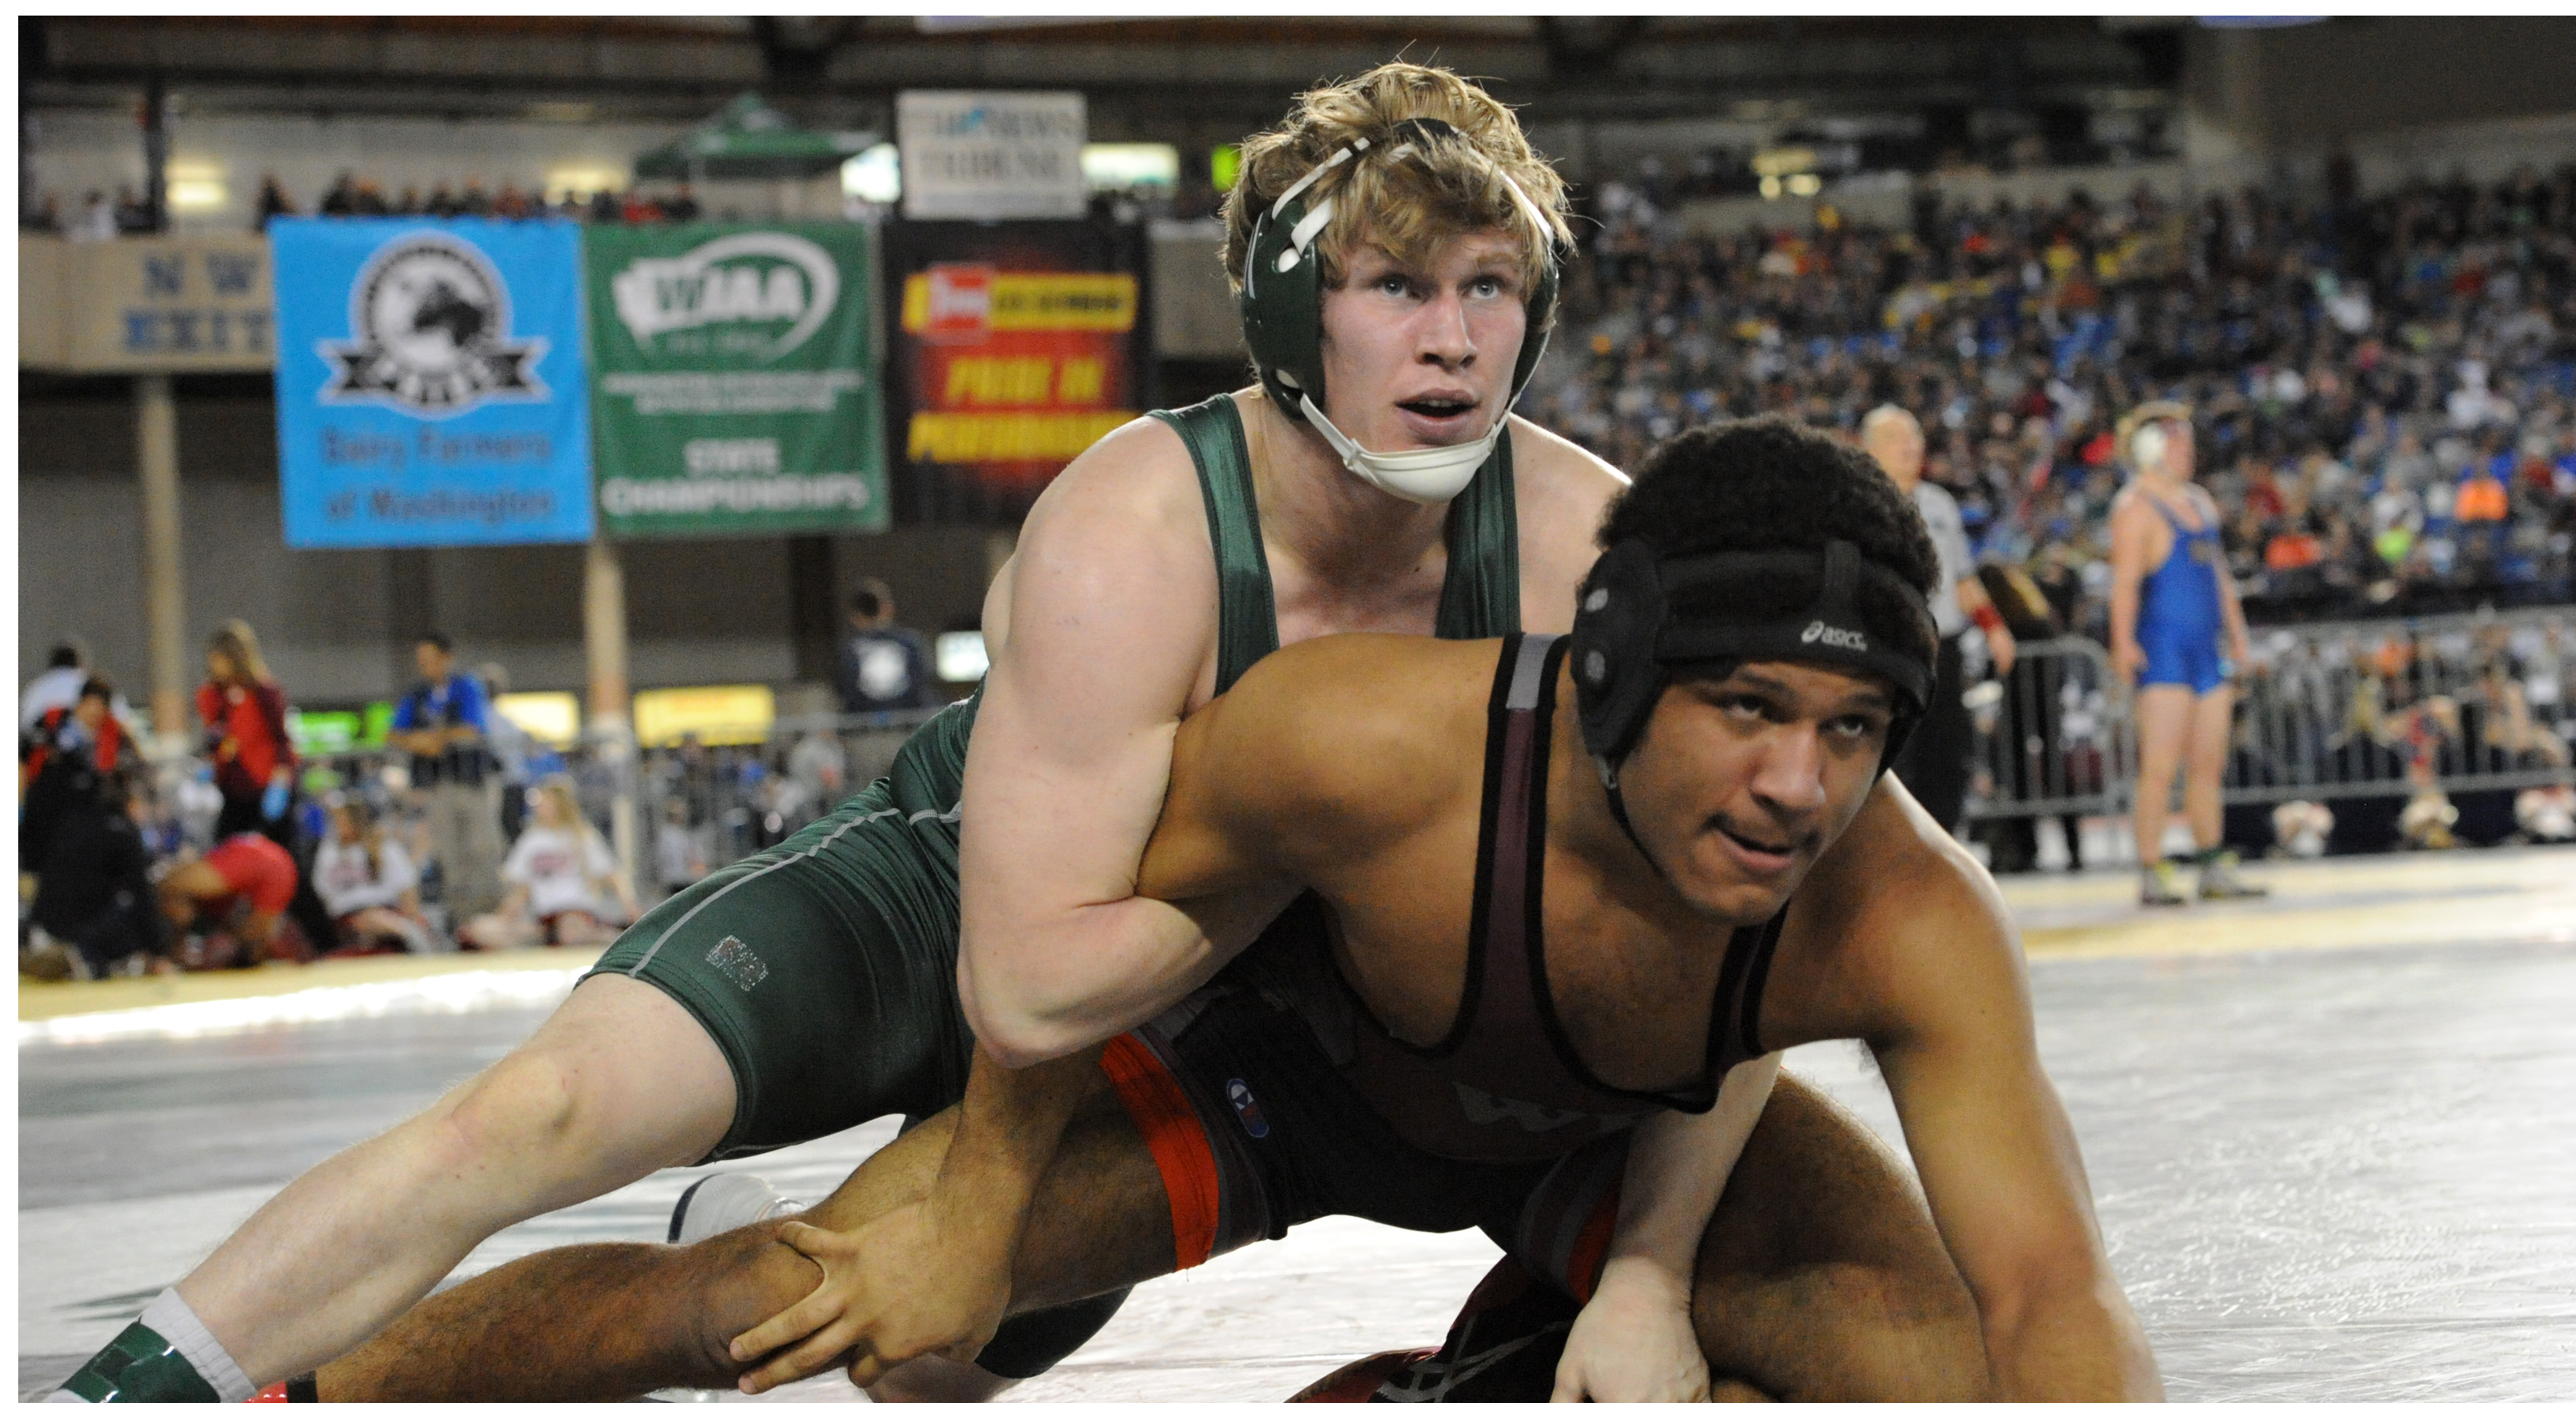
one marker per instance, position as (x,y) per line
(874,175)
(1225,166)
(1804,186)
(582,182)
(1784,160)
(961,657)
(1127,165)
(199,194)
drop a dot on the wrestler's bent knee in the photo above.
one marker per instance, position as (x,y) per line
(1889,1335)
(514,1116)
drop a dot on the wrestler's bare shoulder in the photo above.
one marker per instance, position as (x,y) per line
(1895,912)
(1561,490)
(1137,477)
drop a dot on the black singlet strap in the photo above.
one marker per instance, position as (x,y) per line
(1247,612)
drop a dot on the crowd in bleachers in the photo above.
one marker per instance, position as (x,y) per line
(2385,387)
(351,195)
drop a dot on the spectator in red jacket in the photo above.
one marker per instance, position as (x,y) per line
(244,711)
(62,763)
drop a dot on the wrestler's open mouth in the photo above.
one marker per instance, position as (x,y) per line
(1436,407)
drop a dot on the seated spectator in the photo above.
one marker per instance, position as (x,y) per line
(59,685)
(133,214)
(240,889)
(679,849)
(96,223)
(369,884)
(95,909)
(564,884)
(273,202)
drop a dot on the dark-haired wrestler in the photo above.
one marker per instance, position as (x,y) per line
(1569,895)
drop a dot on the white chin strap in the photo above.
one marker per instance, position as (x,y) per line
(1430,476)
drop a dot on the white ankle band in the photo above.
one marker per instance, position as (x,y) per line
(171,1319)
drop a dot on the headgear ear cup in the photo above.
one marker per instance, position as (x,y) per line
(1616,618)
(1282,297)
(2147,447)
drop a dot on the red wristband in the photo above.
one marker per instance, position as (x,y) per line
(1986,618)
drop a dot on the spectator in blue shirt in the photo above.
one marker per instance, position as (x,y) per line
(443,724)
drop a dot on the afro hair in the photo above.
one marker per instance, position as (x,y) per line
(1771,484)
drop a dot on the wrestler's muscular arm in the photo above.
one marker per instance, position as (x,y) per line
(1634,1338)
(1940,974)
(1262,801)
(2133,533)
(1101,628)
(2231,609)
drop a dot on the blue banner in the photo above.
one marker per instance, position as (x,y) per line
(431,386)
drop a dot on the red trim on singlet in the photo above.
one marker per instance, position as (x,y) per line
(1592,1248)
(1163,1116)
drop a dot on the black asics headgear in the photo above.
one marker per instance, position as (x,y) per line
(1628,636)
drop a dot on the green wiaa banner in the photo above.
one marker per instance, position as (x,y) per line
(736,384)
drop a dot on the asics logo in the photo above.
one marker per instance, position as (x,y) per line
(1819,631)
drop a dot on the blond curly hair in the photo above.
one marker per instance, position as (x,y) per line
(1408,207)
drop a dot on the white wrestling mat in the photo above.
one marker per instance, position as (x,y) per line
(2330,1137)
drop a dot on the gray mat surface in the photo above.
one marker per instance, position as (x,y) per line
(2323,1175)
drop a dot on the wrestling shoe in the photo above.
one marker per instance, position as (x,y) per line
(1503,1348)
(2160,884)
(2220,881)
(722,1202)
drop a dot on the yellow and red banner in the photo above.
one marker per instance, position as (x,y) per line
(1014,362)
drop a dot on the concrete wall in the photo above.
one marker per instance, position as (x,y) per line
(2305,86)
(337,625)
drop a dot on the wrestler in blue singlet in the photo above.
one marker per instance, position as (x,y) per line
(2180,611)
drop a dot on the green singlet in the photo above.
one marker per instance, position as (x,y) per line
(826,967)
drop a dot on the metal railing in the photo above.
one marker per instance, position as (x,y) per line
(695,807)
(2052,735)
(2452,703)
(700,807)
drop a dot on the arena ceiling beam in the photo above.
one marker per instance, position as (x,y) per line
(1141,74)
